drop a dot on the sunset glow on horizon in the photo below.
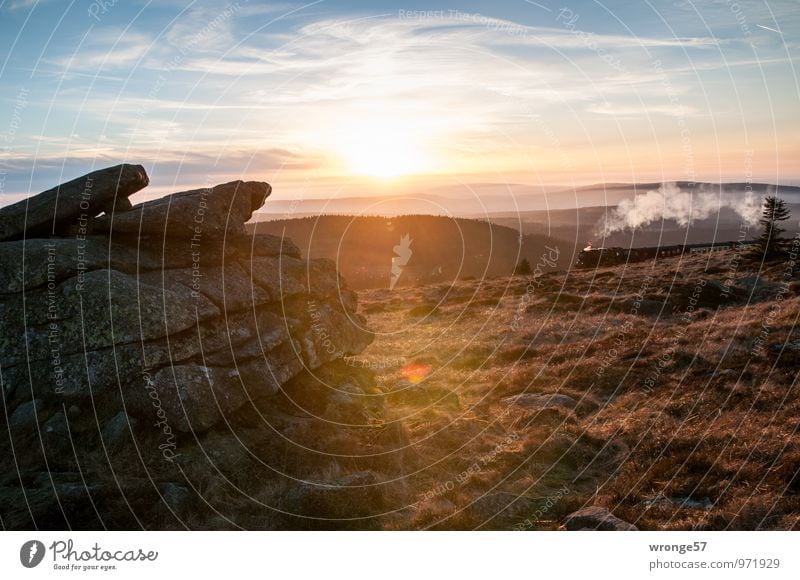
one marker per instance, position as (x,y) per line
(335,97)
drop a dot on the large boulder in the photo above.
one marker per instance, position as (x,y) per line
(192,397)
(212,213)
(74,203)
(169,339)
(597,518)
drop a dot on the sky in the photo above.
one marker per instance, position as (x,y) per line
(343,98)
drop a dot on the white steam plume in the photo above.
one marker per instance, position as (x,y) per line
(670,203)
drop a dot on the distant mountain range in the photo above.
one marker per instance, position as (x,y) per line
(454,241)
(490,199)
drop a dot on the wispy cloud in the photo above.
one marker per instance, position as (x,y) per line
(364,44)
(224,83)
(17,5)
(642,110)
(107,49)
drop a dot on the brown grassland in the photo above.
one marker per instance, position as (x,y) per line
(680,384)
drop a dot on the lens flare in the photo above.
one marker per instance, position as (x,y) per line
(415,372)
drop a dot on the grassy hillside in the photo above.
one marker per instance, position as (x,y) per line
(665,392)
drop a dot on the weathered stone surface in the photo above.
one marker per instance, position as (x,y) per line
(347,405)
(280,366)
(332,334)
(597,518)
(281,277)
(124,344)
(56,426)
(263,245)
(223,451)
(195,397)
(26,264)
(44,508)
(117,432)
(252,335)
(284,276)
(101,370)
(27,416)
(108,308)
(201,214)
(84,197)
(244,336)
(157,252)
(265,377)
(7,391)
(32,263)
(349,300)
(229,287)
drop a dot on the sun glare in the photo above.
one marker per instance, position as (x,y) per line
(381,149)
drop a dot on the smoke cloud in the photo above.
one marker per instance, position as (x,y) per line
(669,202)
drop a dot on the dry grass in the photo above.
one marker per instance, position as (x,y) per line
(678,423)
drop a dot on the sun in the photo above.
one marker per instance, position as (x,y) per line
(382,158)
(381,148)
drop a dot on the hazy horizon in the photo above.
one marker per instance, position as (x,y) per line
(330,98)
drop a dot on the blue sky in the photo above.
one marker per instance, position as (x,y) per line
(357,97)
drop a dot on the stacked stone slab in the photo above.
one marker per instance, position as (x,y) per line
(155,359)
